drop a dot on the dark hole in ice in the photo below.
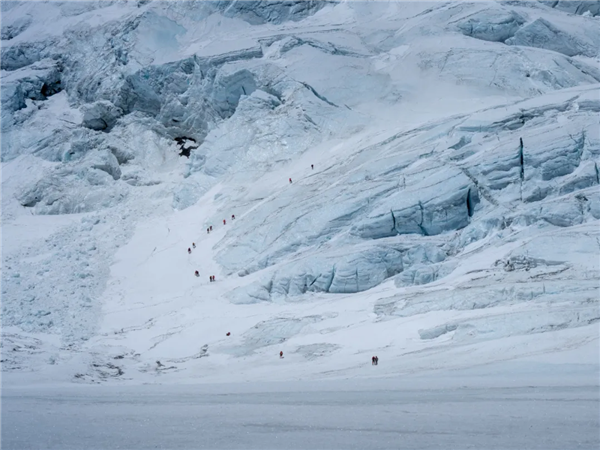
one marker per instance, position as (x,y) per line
(51,89)
(186,145)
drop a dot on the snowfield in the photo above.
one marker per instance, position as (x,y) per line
(493,408)
(413,180)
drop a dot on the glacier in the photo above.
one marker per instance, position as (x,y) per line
(413,180)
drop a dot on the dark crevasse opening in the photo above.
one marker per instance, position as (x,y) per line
(186,145)
(521,159)
(469,205)
(49,89)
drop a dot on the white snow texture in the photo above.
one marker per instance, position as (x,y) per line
(413,180)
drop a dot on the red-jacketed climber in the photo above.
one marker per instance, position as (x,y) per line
(224,222)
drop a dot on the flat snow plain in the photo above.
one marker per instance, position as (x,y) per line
(520,405)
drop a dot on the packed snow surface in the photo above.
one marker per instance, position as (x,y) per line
(417,181)
(503,406)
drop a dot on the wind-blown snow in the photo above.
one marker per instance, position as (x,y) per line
(451,218)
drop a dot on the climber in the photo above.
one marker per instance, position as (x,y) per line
(189,250)
(228,334)
(210,278)
(290,181)
(208,231)
(197,273)
(376,360)
(210,228)
(281,354)
(373,361)
(312,166)
(224,222)
(232,216)
(213,277)
(193,244)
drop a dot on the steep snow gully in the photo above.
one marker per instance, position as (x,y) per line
(444,208)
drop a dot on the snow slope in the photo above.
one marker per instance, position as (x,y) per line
(451,218)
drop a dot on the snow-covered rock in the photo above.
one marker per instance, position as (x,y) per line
(15,28)
(491,25)
(543,34)
(101,115)
(260,11)
(575,7)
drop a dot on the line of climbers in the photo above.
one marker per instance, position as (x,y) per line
(312,167)
(212,277)
(374,359)
(210,228)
